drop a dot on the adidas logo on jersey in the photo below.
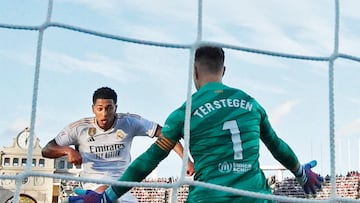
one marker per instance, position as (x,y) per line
(91,139)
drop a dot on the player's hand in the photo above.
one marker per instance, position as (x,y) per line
(87,196)
(190,168)
(74,156)
(310,181)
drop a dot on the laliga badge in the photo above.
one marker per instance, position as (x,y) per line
(121,134)
(92,132)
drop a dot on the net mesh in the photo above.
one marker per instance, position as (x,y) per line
(48,23)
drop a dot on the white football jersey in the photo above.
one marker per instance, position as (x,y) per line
(105,154)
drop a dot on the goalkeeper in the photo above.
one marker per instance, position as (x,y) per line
(226,126)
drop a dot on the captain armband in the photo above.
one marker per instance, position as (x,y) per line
(164,143)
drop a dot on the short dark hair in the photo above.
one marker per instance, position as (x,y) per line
(211,56)
(104,93)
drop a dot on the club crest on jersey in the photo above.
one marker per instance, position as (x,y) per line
(91,132)
(121,134)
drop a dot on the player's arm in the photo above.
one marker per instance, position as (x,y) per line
(136,172)
(282,152)
(179,150)
(144,164)
(53,150)
(309,180)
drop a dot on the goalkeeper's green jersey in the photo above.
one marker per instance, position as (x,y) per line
(226,127)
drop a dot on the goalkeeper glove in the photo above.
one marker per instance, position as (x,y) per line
(89,196)
(309,180)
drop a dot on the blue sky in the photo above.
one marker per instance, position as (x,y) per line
(152,81)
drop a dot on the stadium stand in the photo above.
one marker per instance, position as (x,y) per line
(150,194)
(346,186)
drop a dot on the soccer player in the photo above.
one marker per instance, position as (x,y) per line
(226,126)
(104,141)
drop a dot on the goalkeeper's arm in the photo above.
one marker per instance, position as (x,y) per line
(142,166)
